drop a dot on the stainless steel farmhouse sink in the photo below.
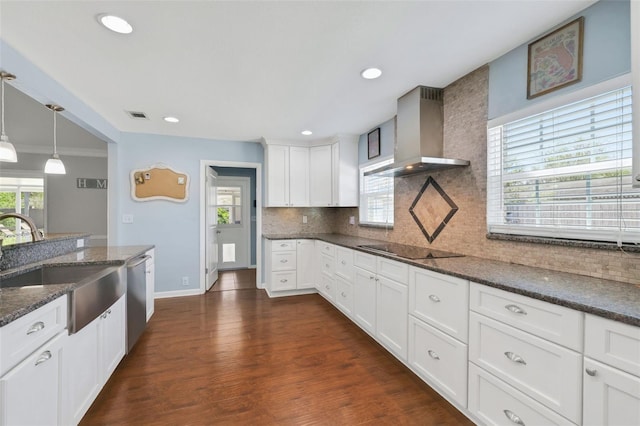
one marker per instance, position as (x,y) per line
(96,288)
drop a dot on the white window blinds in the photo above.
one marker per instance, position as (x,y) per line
(566,172)
(376,196)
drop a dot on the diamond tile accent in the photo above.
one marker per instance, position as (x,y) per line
(432,209)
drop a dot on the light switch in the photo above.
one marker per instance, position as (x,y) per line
(127,218)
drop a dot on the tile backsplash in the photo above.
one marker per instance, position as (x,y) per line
(465,137)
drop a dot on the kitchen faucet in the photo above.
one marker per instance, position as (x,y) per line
(35,233)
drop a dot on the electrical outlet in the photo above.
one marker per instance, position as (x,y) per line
(127,218)
(304,219)
(185,281)
(352,220)
(80,243)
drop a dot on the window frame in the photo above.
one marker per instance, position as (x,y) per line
(495,202)
(363,197)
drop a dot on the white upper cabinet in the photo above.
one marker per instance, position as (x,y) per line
(277,162)
(298,176)
(321,173)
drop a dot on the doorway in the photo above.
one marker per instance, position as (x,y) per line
(251,209)
(234,244)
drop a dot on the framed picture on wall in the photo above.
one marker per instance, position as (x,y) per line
(373,143)
(555,60)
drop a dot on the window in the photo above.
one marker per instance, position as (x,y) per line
(376,196)
(565,172)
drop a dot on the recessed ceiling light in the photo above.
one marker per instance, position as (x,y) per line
(171,119)
(115,23)
(307,132)
(371,73)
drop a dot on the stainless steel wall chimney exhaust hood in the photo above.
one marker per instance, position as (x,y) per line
(419,140)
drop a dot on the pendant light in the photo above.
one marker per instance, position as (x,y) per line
(54,165)
(7,150)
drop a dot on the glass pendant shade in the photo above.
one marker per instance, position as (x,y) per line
(7,150)
(55,166)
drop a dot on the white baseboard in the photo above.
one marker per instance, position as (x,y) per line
(290,292)
(177,293)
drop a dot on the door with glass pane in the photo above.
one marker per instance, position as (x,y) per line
(211,250)
(233,222)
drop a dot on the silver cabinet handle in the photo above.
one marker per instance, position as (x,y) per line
(109,312)
(326,265)
(35,327)
(371,277)
(343,262)
(44,356)
(434,298)
(516,309)
(432,354)
(327,287)
(343,295)
(515,358)
(591,371)
(513,417)
(283,261)
(284,245)
(283,280)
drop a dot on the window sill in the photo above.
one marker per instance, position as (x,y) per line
(601,245)
(375,225)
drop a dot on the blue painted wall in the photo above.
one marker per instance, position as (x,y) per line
(387,140)
(174,228)
(251,174)
(606,54)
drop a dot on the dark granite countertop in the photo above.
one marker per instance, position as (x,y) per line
(16,302)
(609,299)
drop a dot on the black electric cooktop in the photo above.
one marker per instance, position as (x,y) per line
(408,252)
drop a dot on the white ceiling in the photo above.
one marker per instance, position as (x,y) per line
(241,70)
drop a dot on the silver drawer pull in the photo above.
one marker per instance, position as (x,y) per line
(327,287)
(434,298)
(326,265)
(283,261)
(513,417)
(343,262)
(591,371)
(343,295)
(515,358)
(371,277)
(35,327)
(283,280)
(45,356)
(283,245)
(516,309)
(432,354)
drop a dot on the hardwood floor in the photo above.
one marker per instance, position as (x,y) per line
(240,279)
(238,357)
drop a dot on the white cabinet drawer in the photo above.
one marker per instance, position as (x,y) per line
(543,370)
(283,260)
(393,270)
(344,295)
(439,359)
(496,403)
(327,264)
(328,287)
(283,245)
(613,343)
(23,336)
(326,248)
(344,263)
(440,300)
(283,280)
(611,396)
(552,322)
(365,261)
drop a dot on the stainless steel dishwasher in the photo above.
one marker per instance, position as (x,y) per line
(136,299)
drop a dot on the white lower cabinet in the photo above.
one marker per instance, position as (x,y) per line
(611,396)
(545,371)
(364,300)
(93,354)
(290,265)
(30,393)
(344,295)
(439,359)
(391,316)
(305,264)
(494,402)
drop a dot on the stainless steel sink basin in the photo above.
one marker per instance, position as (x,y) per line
(97,287)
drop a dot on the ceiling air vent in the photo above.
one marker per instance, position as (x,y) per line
(137,115)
